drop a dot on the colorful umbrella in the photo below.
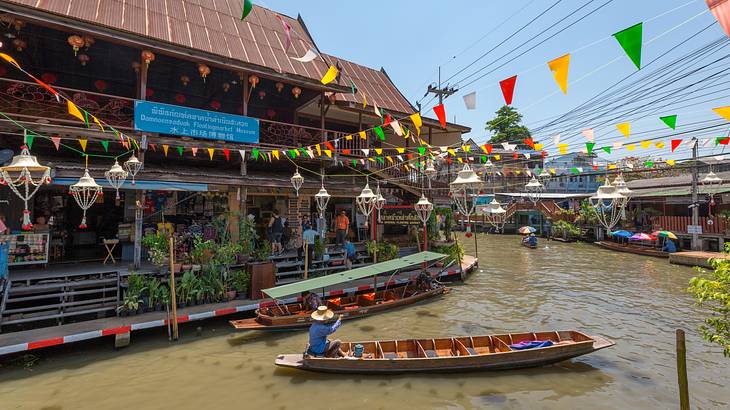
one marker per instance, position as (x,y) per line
(664,234)
(526,230)
(621,234)
(642,237)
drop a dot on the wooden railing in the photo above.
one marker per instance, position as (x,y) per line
(678,224)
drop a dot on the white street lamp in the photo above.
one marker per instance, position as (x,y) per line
(85,193)
(534,190)
(710,181)
(116,176)
(379,200)
(25,171)
(430,171)
(464,191)
(423,209)
(297,180)
(366,202)
(133,166)
(322,198)
(608,204)
(495,215)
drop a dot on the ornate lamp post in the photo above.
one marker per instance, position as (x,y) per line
(133,166)
(25,171)
(464,190)
(297,180)
(534,190)
(496,215)
(366,203)
(85,193)
(608,204)
(710,181)
(322,198)
(116,176)
(423,209)
(624,190)
(379,201)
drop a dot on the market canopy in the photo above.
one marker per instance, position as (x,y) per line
(354,274)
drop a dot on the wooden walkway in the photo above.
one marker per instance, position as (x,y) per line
(694,258)
(74,332)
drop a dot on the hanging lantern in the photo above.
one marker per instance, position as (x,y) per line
(534,190)
(608,205)
(184,80)
(203,70)
(148,56)
(48,78)
(270,113)
(711,182)
(85,193)
(322,198)
(253,79)
(366,202)
(296,92)
(88,41)
(136,66)
(100,85)
(423,209)
(379,201)
(133,166)
(24,170)
(19,44)
(149,92)
(495,215)
(622,189)
(430,171)
(179,98)
(463,191)
(116,176)
(226,87)
(76,42)
(262,94)
(215,104)
(83,59)
(18,24)
(279,87)
(297,180)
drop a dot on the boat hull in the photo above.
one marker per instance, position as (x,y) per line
(632,249)
(527,245)
(506,360)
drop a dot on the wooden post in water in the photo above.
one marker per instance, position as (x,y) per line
(682,371)
(173,296)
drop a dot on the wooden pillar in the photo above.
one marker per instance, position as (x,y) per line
(138,214)
(246,93)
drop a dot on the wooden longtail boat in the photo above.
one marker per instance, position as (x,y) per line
(292,316)
(527,245)
(639,250)
(451,354)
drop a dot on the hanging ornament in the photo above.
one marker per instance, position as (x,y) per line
(379,201)
(226,87)
(215,104)
(133,166)
(76,42)
(297,180)
(85,193)
(279,87)
(18,24)
(19,44)
(296,92)
(100,85)
(148,57)
(203,70)
(83,59)
(322,198)
(88,41)
(184,80)
(24,170)
(366,202)
(116,176)
(179,98)
(253,80)
(262,94)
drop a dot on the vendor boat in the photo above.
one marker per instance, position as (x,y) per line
(529,245)
(636,249)
(452,354)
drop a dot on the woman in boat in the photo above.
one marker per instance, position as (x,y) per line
(669,246)
(311,301)
(319,345)
(532,240)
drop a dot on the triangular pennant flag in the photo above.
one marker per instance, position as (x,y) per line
(377,110)
(292,153)
(514,155)
(528,141)
(618,144)
(275,153)
(508,89)
(589,147)
(10,60)
(559,67)
(670,120)
(165,147)
(671,162)
(83,142)
(649,164)
(330,75)
(29,140)
(611,166)
(400,158)
(422,151)
(400,150)
(509,147)
(527,155)
(227,154)
(195,151)
(319,150)
(96,120)
(606,149)
(659,144)
(675,144)
(588,133)
(379,132)
(329,145)
(724,112)
(180,150)
(243,154)
(396,127)
(287,31)
(309,56)
(56,142)
(365,151)
(386,120)
(441,114)
(105,144)
(389,158)
(624,128)
(563,148)
(380,159)
(497,157)
(630,40)
(630,147)
(74,110)
(645,144)
(417,122)
(364,101)
(556,140)
(470,100)
(247,7)
(574,170)
(255,153)
(210,153)
(538,147)
(488,148)
(362,135)
(310,152)
(378,151)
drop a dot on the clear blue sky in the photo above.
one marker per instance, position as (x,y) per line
(410,39)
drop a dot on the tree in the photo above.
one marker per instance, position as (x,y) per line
(507,127)
(712,291)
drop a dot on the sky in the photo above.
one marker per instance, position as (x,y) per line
(411,39)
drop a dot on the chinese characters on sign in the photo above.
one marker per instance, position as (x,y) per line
(191,122)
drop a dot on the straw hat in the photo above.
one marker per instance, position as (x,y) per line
(323,313)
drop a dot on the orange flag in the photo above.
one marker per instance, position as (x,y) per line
(559,67)
(74,110)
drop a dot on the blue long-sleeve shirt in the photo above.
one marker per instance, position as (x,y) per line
(318,333)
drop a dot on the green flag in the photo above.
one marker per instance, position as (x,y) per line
(484,158)
(29,140)
(380,159)
(379,131)
(354,162)
(352,87)
(670,120)
(247,7)
(589,147)
(574,170)
(255,153)
(105,144)
(630,41)
(180,151)
(607,149)
(649,164)
(422,150)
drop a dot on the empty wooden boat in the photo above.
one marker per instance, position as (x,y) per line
(635,249)
(292,316)
(452,354)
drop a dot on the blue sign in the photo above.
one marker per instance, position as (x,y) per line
(191,122)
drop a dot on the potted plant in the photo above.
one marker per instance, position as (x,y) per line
(186,262)
(158,249)
(201,253)
(187,289)
(163,295)
(153,291)
(247,237)
(132,302)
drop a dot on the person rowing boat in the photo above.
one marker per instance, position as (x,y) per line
(319,345)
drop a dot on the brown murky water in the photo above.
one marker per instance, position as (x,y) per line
(636,301)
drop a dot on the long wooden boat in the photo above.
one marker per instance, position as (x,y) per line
(292,316)
(639,250)
(527,245)
(451,354)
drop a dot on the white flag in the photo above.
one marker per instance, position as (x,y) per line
(470,100)
(309,56)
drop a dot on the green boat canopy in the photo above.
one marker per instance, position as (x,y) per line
(354,274)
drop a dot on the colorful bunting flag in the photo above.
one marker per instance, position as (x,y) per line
(247,7)
(556,140)
(83,143)
(659,144)
(589,147)
(379,151)
(379,132)
(508,89)
(56,142)
(671,162)
(417,122)
(227,154)
(330,75)
(441,114)
(630,147)
(165,147)
(606,149)
(275,153)
(470,100)
(559,67)
(563,148)
(287,31)
(400,150)
(105,144)
(624,128)
(488,148)
(645,144)
(724,112)
(74,110)
(630,40)
(675,144)
(397,128)
(180,150)
(670,121)
(588,133)
(309,56)
(721,10)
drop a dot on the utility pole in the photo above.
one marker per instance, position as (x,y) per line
(441,92)
(695,202)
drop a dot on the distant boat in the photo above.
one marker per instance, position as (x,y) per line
(529,245)
(452,354)
(638,250)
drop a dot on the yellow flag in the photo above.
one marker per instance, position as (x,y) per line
(724,112)
(328,152)
(364,101)
(417,122)
(452,152)
(659,145)
(165,147)
(389,159)
(625,128)
(400,150)
(371,159)
(210,153)
(553,171)
(671,162)
(275,153)
(563,148)
(330,75)
(538,147)
(96,120)
(9,59)
(460,160)
(611,166)
(379,151)
(645,144)
(630,147)
(348,137)
(83,143)
(319,150)
(559,67)
(74,110)
(497,157)
(363,135)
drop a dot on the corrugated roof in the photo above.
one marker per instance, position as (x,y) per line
(375,84)
(211,26)
(679,180)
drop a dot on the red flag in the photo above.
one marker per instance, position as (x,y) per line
(724,141)
(227,153)
(346,151)
(329,145)
(544,154)
(595,167)
(386,122)
(488,147)
(529,142)
(410,156)
(441,114)
(448,160)
(514,155)
(721,10)
(508,88)
(154,147)
(675,144)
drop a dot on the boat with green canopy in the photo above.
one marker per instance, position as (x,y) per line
(295,315)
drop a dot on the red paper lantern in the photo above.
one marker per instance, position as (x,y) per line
(148,56)
(76,42)
(19,44)
(83,58)
(179,98)
(48,78)
(215,104)
(149,93)
(296,92)
(203,70)
(270,113)
(184,80)
(100,85)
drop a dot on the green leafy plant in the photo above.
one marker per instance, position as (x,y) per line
(455,252)
(587,214)
(319,248)
(247,234)
(386,251)
(188,288)
(163,295)
(566,229)
(240,280)
(448,216)
(507,126)
(153,291)
(262,252)
(136,287)
(712,292)
(211,286)
(158,248)
(202,251)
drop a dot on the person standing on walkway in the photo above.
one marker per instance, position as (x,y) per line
(342,227)
(277,231)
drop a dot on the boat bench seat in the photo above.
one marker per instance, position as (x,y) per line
(472,351)
(431,353)
(390,355)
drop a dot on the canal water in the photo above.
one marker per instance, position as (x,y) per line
(636,301)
